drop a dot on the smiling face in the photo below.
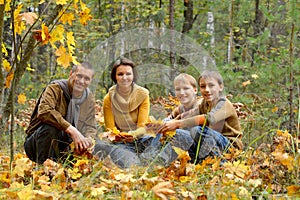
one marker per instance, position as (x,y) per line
(210,90)
(185,92)
(80,79)
(124,76)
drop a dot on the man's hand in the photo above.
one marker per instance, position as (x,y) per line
(81,143)
(170,126)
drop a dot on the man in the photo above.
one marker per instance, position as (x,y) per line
(65,112)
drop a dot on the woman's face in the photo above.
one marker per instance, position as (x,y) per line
(210,90)
(185,92)
(124,76)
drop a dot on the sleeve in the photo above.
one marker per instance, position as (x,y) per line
(144,110)
(51,110)
(220,112)
(109,119)
(193,121)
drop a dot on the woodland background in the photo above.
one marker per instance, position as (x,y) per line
(255,45)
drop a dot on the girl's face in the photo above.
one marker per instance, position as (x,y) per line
(185,92)
(124,76)
(210,90)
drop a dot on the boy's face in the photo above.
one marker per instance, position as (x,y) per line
(81,79)
(185,92)
(210,90)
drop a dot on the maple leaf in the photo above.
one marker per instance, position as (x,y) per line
(8,79)
(45,34)
(61,2)
(4,50)
(64,59)
(57,34)
(74,173)
(21,98)
(7,6)
(29,17)
(255,76)
(85,16)
(22,165)
(293,190)
(284,158)
(67,18)
(98,191)
(19,25)
(163,190)
(6,65)
(244,84)
(71,42)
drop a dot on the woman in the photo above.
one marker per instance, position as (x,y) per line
(126,107)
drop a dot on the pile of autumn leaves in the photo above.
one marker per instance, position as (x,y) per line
(269,171)
(266,171)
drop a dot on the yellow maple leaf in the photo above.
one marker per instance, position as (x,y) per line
(45,34)
(98,191)
(85,16)
(81,162)
(57,34)
(246,83)
(7,5)
(71,42)
(64,60)
(255,76)
(67,18)
(22,165)
(275,109)
(19,25)
(61,2)
(8,79)
(21,98)
(74,173)
(1,2)
(284,158)
(6,65)
(60,51)
(181,153)
(4,49)
(293,190)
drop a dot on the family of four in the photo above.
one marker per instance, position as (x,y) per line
(64,113)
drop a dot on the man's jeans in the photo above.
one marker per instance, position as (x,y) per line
(47,142)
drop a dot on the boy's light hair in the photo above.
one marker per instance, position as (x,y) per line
(186,78)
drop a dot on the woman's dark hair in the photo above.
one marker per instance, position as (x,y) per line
(123,61)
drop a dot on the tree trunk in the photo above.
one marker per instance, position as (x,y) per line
(230,41)
(172,49)
(188,16)
(2,7)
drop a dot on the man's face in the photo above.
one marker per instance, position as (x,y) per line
(80,80)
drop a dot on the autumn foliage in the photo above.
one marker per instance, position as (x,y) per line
(266,172)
